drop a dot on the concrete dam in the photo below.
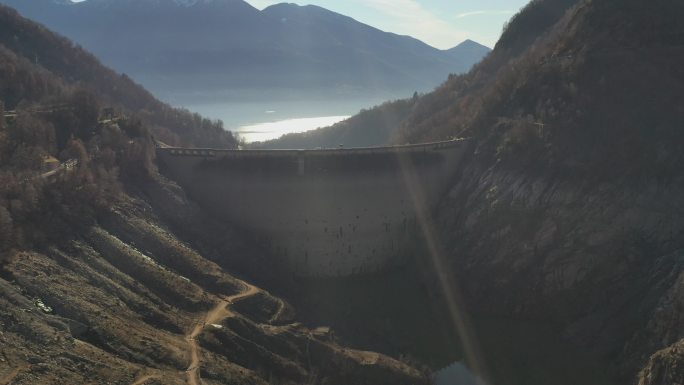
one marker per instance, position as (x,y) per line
(332,212)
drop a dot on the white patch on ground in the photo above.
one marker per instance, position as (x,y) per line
(42,306)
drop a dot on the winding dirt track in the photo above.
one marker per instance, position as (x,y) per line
(279,312)
(13,374)
(143,379)
(220,312)
(217,314)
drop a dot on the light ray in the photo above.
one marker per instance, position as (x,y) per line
(459,319)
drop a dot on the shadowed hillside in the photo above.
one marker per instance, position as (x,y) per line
(566,214)
(59,66)
(571,195)
(575,178)
(96,284)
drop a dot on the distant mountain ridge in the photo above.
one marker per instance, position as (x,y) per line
(199,46)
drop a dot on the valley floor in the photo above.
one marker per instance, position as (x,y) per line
(398,315)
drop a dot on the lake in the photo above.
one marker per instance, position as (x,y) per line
(258,120)
(456,374)
(272,130)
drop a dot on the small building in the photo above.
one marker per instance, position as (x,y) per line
(50,163)
(323,332)
(108,113)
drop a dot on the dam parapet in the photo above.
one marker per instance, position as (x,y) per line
(331,212)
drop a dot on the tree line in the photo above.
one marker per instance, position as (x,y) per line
(39,68)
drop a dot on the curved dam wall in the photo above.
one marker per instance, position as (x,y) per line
(327,212)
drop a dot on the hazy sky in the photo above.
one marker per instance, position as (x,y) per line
(440,23)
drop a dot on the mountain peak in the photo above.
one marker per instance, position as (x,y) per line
(189,3)
(181,3)
(301,10)
(224,44)
(469,45)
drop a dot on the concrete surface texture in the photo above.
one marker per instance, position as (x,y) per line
(327,212)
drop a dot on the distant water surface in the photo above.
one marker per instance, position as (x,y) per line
(272,130)
(456,374)
(258,120)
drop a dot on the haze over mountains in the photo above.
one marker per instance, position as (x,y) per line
(567,213)
(228,47)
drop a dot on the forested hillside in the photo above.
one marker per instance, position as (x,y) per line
(437,115)
(368,128)
(101,280)
(41,67)
(57,95)
(598,87)
(571,191)
(567,211)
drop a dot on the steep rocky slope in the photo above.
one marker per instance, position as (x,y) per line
(95,285)
(665,367)
(569,209)
(117,303)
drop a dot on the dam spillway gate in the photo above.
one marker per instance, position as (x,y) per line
(326,212)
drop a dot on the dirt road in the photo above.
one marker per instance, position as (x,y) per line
(144,379)
(12,375)
(220,312)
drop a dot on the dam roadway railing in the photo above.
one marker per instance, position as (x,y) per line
(212,152)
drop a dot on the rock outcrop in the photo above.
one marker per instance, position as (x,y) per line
(569,208)
(665,367)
